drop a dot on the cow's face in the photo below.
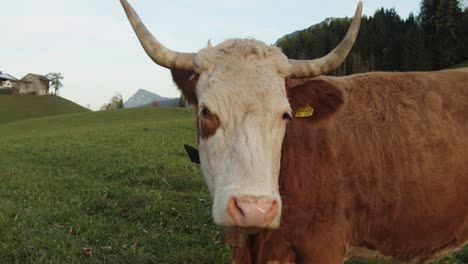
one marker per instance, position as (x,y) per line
(242,111)
(239,91)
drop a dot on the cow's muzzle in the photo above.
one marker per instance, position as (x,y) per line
(252,211)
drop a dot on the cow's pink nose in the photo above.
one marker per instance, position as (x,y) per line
(251,211)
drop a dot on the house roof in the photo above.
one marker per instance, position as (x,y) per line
(38,76)
(6,76)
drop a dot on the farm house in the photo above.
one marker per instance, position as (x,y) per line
(33,84)
(6,80)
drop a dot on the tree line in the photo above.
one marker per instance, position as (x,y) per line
(435,39)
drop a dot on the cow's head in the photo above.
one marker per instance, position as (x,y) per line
(238,89)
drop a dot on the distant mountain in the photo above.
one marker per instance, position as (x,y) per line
(143,98)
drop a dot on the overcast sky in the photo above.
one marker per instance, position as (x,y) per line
(92,44)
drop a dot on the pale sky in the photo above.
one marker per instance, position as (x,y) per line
(92,44)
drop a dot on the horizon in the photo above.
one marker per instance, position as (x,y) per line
(94,47)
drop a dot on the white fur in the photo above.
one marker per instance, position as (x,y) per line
(242,81)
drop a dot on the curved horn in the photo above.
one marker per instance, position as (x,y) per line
(157,52)
(316,67)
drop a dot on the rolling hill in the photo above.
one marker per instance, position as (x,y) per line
(14,108)
(169,102)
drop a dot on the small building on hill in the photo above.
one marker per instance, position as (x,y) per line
(33,84)
(6,80)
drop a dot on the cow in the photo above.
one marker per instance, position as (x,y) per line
(310,168)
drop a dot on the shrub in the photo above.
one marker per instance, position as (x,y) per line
(7,91)
(116,102)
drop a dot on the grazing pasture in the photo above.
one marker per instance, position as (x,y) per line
(112,186)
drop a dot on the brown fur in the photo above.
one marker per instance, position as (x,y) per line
(208,125)
(382,164)
(186,81)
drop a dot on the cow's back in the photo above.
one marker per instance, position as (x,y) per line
(391,170)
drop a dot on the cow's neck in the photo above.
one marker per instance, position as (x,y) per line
(309,165)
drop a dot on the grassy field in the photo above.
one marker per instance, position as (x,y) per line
(13,108)
(107,187)
(111,186)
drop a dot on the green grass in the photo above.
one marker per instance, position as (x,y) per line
(13,108)
(106,187)
(115,182)
(460,65)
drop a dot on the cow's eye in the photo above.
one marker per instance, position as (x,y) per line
(287,116)
(205,112)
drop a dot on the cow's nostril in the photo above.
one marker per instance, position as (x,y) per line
(235,212)
(251,211)
(238,207)
(272,212)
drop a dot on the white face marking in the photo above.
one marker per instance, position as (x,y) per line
(242,82)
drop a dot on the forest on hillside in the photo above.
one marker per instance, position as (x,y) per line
(434,39)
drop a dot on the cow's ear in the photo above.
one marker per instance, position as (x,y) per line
(186,81)
(316,100)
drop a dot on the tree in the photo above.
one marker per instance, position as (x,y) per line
(104,107)
(464,29)
(182,101)
(55,80)
(116,102)
(427,16)
(415,55)
(448,39)
(435,39)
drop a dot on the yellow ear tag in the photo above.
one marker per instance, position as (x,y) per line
(306,111)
